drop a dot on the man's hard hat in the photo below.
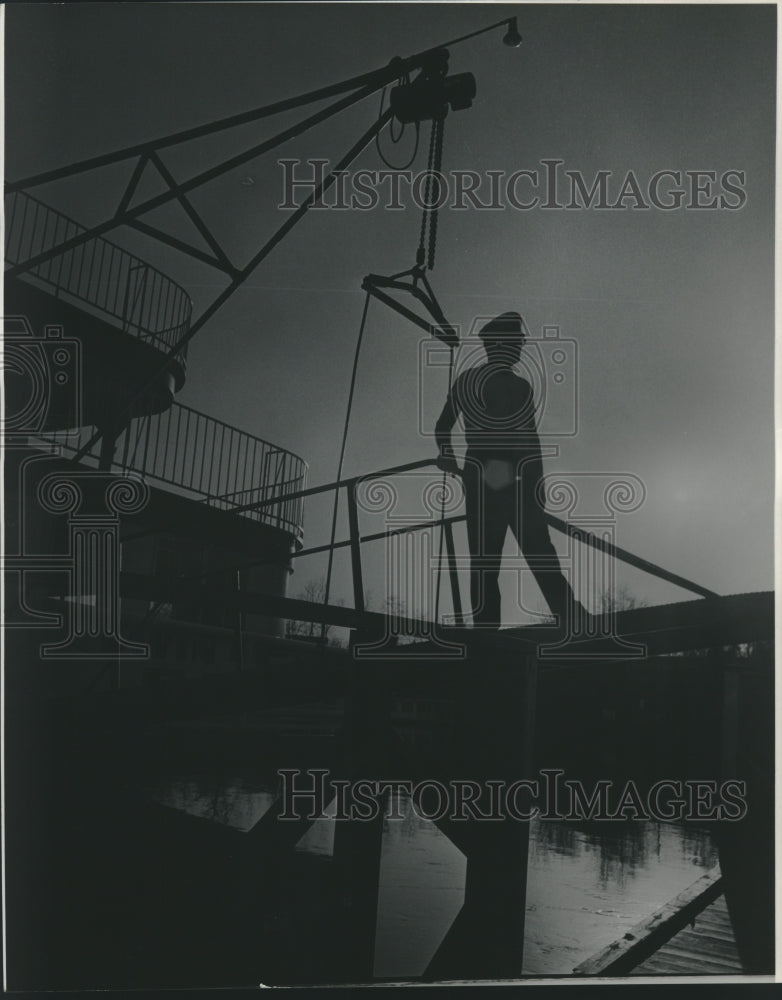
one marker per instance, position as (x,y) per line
(504,329)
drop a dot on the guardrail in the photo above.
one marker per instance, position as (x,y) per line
(355,539)
(447,562)
(97,276)
(207,460)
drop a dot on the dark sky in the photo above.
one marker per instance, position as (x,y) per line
(672,312)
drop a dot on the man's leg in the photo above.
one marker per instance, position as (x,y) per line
(532,533)
(487,523)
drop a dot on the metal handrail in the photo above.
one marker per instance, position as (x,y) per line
(98,275)
(206,459)
(358,616)
(352,481)
(571,530)
(356,539)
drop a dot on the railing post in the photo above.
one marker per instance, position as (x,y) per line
(355,549)
(126,303)
(453,575)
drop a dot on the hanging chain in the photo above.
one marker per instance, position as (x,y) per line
(438,127)
(429,215)
(421,254)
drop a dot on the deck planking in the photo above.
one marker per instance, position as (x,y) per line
(708,947)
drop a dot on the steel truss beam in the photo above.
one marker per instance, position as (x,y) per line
(355,88)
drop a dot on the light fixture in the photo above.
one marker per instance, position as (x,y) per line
(512,37)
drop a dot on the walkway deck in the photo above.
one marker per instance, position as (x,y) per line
(708,948)
(692,935)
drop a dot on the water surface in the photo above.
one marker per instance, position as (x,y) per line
(586,885)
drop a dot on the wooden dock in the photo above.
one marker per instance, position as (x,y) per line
(692,935)
(707,948)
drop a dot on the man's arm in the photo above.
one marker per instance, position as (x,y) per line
(528,439)
(442,430)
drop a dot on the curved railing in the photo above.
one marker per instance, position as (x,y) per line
(207,460)
(97,276)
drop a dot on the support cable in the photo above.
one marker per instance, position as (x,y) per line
(342,457)
(442,513)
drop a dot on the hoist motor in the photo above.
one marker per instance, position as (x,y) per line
(432,93)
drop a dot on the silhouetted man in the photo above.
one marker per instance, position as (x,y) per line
(502,470)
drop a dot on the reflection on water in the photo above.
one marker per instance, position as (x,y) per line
(421,890)
(587,885)
(238,802)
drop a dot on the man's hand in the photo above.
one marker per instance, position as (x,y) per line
(447,463)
